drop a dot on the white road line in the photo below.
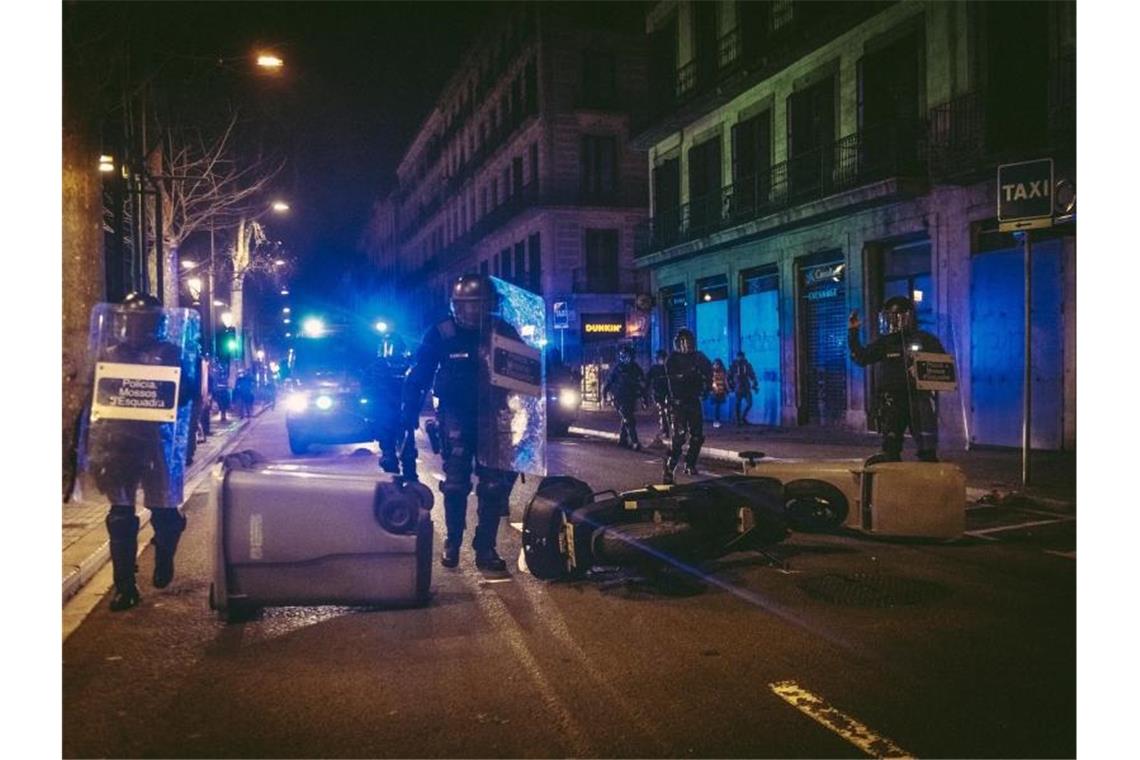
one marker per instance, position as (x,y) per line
(1067,555)
(842,724)
(1002,528)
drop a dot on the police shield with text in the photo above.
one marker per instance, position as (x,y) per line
(899,404)
(145,366)
(689,373)
(488,378)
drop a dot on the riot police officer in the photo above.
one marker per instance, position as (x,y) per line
(626,384)
(898,403)
(689,373)
(124,453)
(657,388)
(450,353)
(384,381)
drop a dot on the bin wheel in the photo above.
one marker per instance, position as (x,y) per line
(814,506)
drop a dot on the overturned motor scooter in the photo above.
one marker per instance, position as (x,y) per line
(569,528)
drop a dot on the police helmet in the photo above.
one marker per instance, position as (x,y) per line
(472,300)
(897,315)
(685,342)
(140,319)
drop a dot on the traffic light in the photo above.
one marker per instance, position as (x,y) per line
(229,344)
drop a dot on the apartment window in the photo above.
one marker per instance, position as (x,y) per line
(483,200)
(783,12)
(520,262)
(705,183)
(534,267)
(507,190)
(751,163)
(495,192)
(534,164)
(599,80)
(516,175)
(505,263)
(599,165)
(531,87)
(601,261)
(667,200)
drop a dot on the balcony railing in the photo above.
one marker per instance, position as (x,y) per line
(586,280)
(686,80)
(894,149)
(728,48)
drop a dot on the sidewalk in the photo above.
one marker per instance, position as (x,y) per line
(85,548)
(991,474)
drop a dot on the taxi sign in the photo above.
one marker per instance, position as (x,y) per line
(1025,195)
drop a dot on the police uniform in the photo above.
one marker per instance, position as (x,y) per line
(689,373)
(657,387)
(384,380)
(123,455)
(626,382)
(450,354)
(898,404)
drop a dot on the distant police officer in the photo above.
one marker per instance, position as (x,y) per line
(657,388)
(626,384)
(899,404)
(384,384)
(128,445)
(742,380)
(453,348)
(689,373)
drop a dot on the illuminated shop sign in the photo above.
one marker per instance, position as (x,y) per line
(603,326)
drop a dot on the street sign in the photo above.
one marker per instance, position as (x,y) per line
(561,316)
(1025,195)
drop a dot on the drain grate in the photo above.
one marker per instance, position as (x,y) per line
(871,590)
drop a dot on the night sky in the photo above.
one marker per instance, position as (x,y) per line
(359,79)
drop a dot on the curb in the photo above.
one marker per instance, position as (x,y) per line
(75,580)
(973,494)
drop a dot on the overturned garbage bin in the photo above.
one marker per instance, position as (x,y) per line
(292,534)
(568,528)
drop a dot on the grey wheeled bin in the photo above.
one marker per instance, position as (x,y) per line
(294,534)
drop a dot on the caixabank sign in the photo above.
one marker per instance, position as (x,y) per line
(1025,195)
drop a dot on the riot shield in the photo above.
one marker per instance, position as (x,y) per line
(512,388)
(142,378)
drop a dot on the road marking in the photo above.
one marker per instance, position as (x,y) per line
(842,724)
(983,532)
(1067,555)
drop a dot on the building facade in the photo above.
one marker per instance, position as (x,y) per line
(523,170)
(808,159)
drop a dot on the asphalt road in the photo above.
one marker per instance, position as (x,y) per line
(858,647)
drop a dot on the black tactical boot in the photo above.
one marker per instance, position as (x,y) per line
(389,463)
(168,526)
(123,531)
(450,555)
(490,560)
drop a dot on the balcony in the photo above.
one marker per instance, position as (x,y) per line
(608,281)
(894,149)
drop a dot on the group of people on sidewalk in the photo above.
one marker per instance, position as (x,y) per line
(679,382)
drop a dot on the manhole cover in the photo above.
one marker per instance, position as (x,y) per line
(871,590)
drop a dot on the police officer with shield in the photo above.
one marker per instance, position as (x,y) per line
(898,403)
(690,374)
(141,415)
(475,416)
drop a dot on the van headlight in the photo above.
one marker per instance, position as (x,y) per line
(569,398)
(323,402)
(297,402)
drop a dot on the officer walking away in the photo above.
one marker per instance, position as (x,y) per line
(384,381)
(128,444)
(626,385)
(243,394)
(449,353)
(657,388)
(690,374)
(718,389)
(742,381)
(898,403)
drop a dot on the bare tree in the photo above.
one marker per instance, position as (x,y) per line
(204,186)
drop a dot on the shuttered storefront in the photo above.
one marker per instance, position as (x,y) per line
(823,306)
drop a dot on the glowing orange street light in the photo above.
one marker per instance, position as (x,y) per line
(270,61)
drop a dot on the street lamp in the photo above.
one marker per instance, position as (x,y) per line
(280,207)
(106,164)
(270,62)
(227,318)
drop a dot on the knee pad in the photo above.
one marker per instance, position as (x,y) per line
(122,522)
